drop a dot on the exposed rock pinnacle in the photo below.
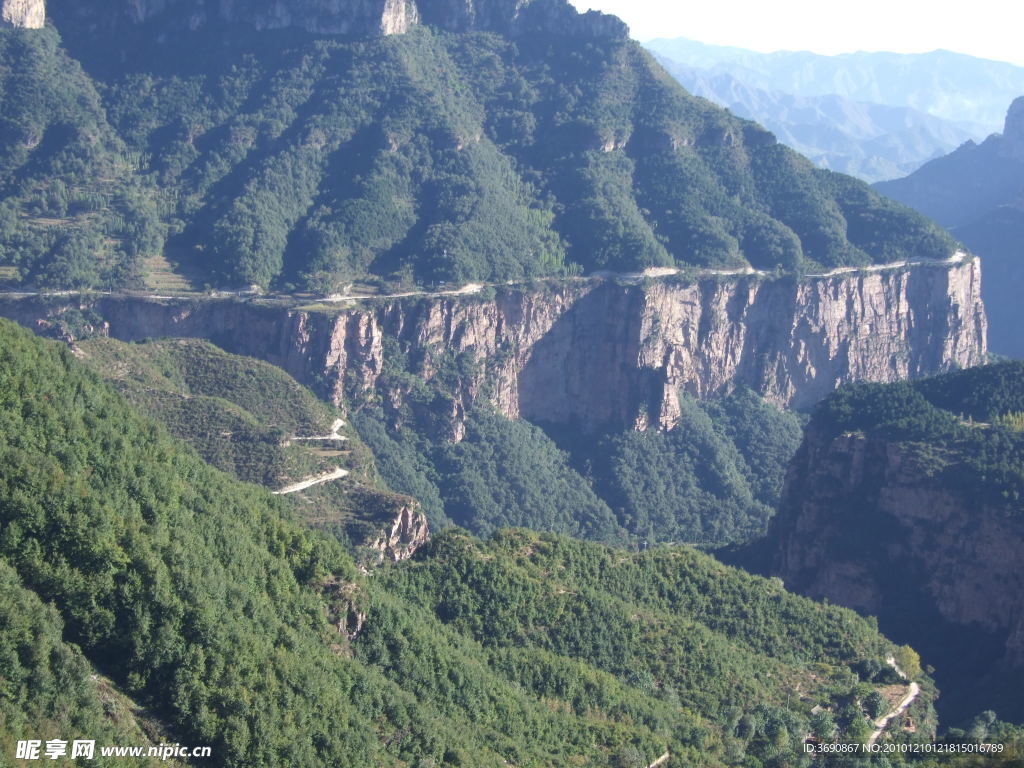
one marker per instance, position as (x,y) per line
(27,14)
(1013,132)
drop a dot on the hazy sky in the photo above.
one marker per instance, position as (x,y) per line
(991,29)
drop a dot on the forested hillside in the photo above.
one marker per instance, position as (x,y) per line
(241,414)
(204,600)
(76,208)
(152,587)
(298,161)
(976,414)
(251,420)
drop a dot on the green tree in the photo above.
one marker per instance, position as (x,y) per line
(823,725)
(875,705)
(909,662)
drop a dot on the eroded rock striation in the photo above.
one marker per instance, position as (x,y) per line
(599,354)
(26,14)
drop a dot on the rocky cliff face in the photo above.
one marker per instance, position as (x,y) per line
(600,354)
(355,17)
(871,525)
(406,533)
(26,14)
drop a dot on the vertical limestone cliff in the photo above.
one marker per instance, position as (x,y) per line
(601,354)
(874,525)
(26,14)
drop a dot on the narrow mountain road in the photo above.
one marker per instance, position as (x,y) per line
(474,288)
(338,424)
(466,290)
(956,258)
(335,474)
(912,692)
(650,273)
(884,720)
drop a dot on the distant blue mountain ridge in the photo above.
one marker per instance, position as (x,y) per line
(873,115)
(977,192)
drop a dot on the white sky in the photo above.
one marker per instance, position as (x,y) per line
(992,29)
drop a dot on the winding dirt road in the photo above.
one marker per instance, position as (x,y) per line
(912,692)
(335,474)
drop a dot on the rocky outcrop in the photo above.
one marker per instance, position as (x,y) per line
(603,354)
(349,17)
(26,14)
(406,533)
(345,610)
(1013,131)
(877,526)
(597,353)
(917,526)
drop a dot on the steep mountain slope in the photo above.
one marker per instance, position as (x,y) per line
(952,86)
(293,158)
(206,601)
(978,192)
(252,420)
(50,690)
(699,483)
(967,184)
(905,501)
(870,141)
(73,211)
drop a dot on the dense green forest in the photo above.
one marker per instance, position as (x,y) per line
(910,494)
(304,162)
(210,604)
(973,420)
(713,480)
(152,589)
(76,208)
(241,414)
(48,689)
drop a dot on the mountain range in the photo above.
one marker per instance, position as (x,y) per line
(253,147)
(150,597)
(875,115)
(348,296)
(978,193)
